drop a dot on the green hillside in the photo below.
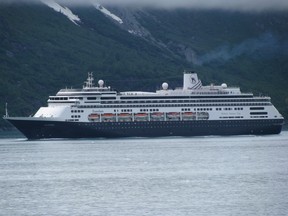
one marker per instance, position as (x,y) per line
(42,51)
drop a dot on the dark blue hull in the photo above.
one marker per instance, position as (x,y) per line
(38,129)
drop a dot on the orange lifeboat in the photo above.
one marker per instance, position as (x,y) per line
(93,117)
(108,115)
(157,114)
(173,115)
(141,117)
(124,117)
(188,114)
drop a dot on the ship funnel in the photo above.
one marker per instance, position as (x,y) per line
(191,81)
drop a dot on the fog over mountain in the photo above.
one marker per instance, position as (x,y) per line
(238,5)
(207,4)
(266,46)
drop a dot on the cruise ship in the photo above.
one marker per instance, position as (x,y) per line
(192,110)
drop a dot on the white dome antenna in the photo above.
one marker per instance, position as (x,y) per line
(101,83)
(165,86)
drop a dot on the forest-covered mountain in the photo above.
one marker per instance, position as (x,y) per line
(48,46)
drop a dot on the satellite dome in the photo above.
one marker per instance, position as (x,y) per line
(165,86)
(101,83)
(224,85)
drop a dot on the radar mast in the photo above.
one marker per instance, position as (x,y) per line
(89,83)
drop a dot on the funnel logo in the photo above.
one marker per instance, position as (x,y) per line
(193,81)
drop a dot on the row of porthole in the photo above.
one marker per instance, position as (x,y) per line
(226,117)
(203,109)
(171,105)
(186,109)
(185,101)
(77,111)
(174,126)
(178,122)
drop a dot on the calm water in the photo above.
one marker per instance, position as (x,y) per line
(239,175)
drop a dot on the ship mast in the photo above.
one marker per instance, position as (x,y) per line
(6,110)
(89,82)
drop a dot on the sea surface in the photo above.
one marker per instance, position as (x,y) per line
(175,176)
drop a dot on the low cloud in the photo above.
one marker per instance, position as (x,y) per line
(239,5)
(266,46)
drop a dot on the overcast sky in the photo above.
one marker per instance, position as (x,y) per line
(242,5)
(208,4)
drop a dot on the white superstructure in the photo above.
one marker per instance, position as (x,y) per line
(191,102)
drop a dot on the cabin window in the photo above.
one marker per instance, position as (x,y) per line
(108,98)
(258,113)
(256,108)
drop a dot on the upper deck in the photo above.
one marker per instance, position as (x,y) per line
(192,86)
